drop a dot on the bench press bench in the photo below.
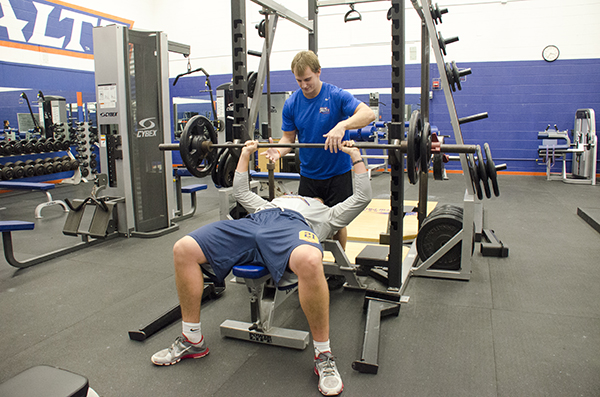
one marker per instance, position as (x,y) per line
(265,297)
(7,227)
(44,187)
(191,189)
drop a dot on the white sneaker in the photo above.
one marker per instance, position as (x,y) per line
(180,349)
(330,381)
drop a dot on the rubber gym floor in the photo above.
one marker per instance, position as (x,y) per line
(525,325)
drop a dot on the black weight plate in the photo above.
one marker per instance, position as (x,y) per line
(197,130)
(447,209)
(413,151)
(434,234)
(491,169)
(425,148)
(474,177)
(252,78)
(221,168)
(228,170)
(438,167)
(214,174)
(481,170)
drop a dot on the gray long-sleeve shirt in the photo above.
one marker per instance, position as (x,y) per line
(325,221)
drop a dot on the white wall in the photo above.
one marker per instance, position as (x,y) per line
(489,30)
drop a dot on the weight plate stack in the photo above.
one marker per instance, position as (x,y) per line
(440,226)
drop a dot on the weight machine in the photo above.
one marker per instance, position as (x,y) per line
(131,69)
(557,145)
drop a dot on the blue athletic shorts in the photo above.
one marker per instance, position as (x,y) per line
(267,238)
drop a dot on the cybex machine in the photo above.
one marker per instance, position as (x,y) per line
(132,97)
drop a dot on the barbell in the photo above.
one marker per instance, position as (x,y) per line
(198,147)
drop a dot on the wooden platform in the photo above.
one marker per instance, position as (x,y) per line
(374,220)
(354,248)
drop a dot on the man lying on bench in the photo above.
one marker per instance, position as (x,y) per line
(281,235)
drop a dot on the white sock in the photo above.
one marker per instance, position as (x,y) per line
(321,347)
(192,331)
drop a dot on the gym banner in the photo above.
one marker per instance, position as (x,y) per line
(51,26)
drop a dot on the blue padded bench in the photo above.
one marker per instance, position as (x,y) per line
(264,298)
(43,380)
(192,189)
(6,227)
(278,175)
(250,271)
(44,187)
(181,172)
(12,226)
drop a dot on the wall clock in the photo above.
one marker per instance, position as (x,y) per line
(550,53)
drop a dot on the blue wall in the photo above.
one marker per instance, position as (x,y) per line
(521,98)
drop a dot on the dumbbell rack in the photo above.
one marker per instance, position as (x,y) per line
(29,158)
(85,135)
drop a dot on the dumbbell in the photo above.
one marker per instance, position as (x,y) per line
(66,164)
(48,166)
(85,172)
(19,146)
(65,144)
(18,171)
(9,149)
(38,167)
(30,146)
(58,165)
(50,146)
(6,173)
(2,151)
(27,168)
(40,145)
(74,165)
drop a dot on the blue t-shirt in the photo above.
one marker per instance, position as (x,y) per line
(313,118)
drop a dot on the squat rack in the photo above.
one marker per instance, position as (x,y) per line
(243,116)
(397,274)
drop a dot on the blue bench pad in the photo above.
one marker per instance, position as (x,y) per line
(278,175)
(26,185)
(181,172)
(10,226)
(250,271)
(193,188)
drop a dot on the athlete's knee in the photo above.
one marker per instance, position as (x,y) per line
(187,250)
(307,262)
